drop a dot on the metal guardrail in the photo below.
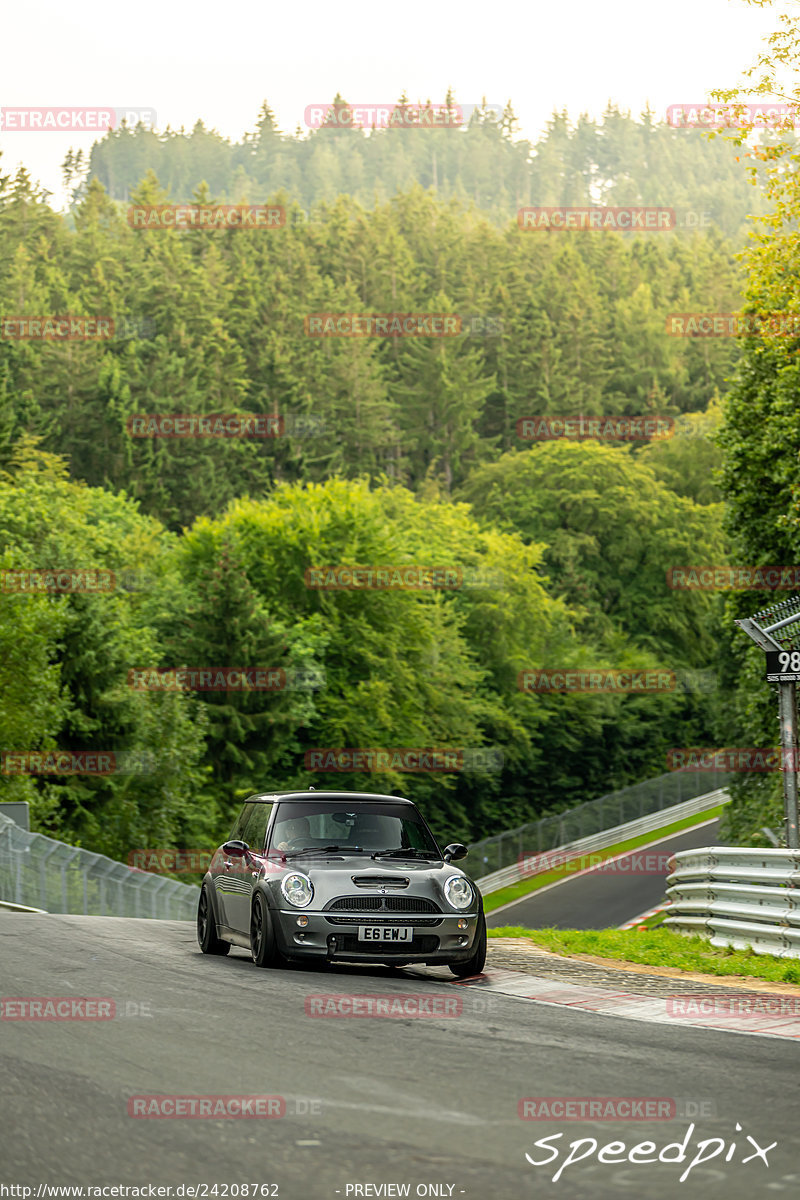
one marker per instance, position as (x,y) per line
(610,811)
(738,897)
(600,841)
(37,872)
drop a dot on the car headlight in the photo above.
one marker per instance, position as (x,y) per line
(458,891)
(298,890)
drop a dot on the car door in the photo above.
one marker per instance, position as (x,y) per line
(241,877)
(228,871)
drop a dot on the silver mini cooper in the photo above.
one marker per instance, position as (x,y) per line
(340,877)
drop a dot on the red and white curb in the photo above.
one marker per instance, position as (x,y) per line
(770,1014)
(651,912)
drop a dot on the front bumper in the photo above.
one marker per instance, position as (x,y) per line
(334,936)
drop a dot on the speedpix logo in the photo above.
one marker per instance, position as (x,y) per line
(644,1153)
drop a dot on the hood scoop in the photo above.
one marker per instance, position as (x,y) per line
(380,881)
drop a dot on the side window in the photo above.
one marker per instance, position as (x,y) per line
(236,834)
(255,831)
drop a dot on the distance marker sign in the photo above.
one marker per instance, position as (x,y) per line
(783,666)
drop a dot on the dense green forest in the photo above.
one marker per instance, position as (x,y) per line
(616,160)
(392,451)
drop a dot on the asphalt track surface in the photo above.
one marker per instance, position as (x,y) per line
(602,899)
(369,1102)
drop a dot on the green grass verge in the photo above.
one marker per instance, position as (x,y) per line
(517,890)
(659,948)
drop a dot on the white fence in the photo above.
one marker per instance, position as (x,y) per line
(738,898)
(39,873)
(526,868)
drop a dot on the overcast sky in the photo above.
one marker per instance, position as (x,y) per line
(218,59)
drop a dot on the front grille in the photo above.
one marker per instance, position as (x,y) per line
(413,921)
(410,904)
(358,903)
(376,881)
(348,943)
(406,904)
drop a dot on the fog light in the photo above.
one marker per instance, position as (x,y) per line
(302,922)
(462,941)
(462,924)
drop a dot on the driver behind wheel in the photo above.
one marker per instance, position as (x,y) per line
(293,830)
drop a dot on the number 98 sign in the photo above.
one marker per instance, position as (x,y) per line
(783,666)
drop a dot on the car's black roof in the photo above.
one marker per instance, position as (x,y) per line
(350,797)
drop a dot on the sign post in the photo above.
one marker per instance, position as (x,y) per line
(783,668)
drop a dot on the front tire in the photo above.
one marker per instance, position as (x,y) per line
(475,964)
(263,944)
(207,927)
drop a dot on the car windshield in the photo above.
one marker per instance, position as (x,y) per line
(360,827)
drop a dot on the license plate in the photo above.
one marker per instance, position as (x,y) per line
(385,933)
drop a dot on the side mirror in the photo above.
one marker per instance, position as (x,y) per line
(455,851)
(237,849)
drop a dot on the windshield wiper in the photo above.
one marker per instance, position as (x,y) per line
(407,852)
(324,850)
